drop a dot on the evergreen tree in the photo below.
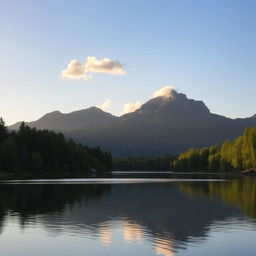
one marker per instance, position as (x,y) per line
(32,150)
(3,130)
(36,161)
(8,155)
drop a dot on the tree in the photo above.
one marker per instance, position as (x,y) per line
(8,155)
(214,162)
(30,149)
(3,130)
(252,146)
(236,155)
(36,161)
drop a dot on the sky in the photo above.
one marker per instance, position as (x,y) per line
(115,54)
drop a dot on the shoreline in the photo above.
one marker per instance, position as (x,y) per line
(249,172)
(26,176)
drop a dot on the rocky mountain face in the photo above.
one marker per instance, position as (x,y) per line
(163,125)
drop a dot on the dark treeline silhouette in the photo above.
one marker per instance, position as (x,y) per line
(41,151)
(38,199)
(143,163)
(236,155)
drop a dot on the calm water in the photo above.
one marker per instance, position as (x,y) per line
(162,215)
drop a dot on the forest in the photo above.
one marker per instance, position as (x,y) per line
(37,152)
(232,156)
(143,163)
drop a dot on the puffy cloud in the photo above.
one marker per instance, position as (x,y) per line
(105,105)
(77,70)
(131,107)
(165,92)
(105,65)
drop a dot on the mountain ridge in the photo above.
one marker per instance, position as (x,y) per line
(69,121)
(162,125)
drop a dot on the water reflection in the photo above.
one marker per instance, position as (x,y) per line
(133,232)
(165,247)
(239,192)
(105,232)
(151,218)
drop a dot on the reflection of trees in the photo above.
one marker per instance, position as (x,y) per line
(159,212)
(29,200)
(241,192)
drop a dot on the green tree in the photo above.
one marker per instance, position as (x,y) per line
(36,161)
(8,155)
(214,162)
(3,130)
(30,149)
(252,147)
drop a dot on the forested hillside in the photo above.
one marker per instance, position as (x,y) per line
(236,155)
(29,150)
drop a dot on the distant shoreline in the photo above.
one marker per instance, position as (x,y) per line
(14,176)
(250,172)
(111,174)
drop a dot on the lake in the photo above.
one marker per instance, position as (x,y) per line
(129,214)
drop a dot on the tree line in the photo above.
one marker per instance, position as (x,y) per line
(29,150)
(143,163)
(236,155)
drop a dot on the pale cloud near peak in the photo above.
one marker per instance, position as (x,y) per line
(131,107)
(77,70)
(164,92)
(105,105)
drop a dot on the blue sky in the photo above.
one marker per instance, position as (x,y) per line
(206,49)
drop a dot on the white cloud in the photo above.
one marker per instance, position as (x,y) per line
(77,70)
(165,92)
(105,105)
(131,107)
(105,65)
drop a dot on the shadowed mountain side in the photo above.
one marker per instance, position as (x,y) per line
(156,135)
(163,125)
(70,121)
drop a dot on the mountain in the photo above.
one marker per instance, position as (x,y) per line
(75,120)
(163,125)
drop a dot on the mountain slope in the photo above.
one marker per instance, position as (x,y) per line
(71,121)
(163,125)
